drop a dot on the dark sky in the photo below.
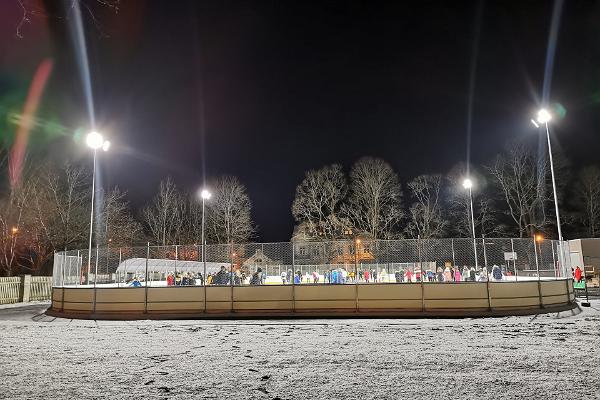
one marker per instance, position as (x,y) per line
(266,90)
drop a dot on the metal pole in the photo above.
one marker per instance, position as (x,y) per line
(453,255)
(561,255)
(96,270)
(356,258)
(554,260)
(203,252)
(512,249)
(95,278)
(120,260)
(176,257)
(80,272)
(62,267)
(91,219)
(146,279)
(421,274)
(537,265)
(560,237)
(485,261)
(473,226)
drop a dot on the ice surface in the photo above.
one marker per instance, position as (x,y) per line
(551,356)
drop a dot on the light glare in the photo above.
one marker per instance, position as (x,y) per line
(205,194)
(467,184)
(543,116)
(94,140)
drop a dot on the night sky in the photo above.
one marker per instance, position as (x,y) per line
(269,89)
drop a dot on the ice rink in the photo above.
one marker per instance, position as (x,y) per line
(534,357)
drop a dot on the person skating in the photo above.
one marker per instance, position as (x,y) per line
(465,273)
(221,278)
(256,277)
(496,273)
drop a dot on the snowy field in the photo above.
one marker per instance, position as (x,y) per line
(552,356)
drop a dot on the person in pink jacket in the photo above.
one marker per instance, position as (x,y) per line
(409,275)
(457,275)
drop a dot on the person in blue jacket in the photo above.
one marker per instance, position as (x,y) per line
(334,276)
(135,283)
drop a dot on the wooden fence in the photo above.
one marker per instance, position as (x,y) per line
(25,288)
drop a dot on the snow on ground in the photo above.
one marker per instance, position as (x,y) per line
(551,356)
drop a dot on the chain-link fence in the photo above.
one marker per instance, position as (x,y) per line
(325,262)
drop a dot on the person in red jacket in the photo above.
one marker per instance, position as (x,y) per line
(577,274)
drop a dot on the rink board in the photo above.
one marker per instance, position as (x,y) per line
(377,299)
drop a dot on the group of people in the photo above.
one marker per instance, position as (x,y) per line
(446,274)
(237,277)
(335,276)
(451,274)
(184,279)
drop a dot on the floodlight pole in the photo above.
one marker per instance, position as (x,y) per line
(91,218)
(203,247)
(560,237)
(473,227)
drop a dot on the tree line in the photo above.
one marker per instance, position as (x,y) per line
(49,209)
(512,196)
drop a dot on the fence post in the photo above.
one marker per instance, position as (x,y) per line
(512,249)
(421,273)
(120,261)
(231,277)
(80,267)
(146,279)
(453,255)
(485,261)
(293,277)
(62,287)
(204,277)
(553,260)
(25,294)
(95,279)
(537,267)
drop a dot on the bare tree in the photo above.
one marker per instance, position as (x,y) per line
(13,219)
(61,204)
(459,205)
(517,175)
(375,202)
(587,199)
(426,219)
(165,216)
(228,212)
(318,202)
(116,224)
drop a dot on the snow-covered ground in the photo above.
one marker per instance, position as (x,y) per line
(553,356)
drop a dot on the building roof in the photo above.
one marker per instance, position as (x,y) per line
(138,265)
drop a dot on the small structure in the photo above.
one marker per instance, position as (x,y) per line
(585,253)
(259,259)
